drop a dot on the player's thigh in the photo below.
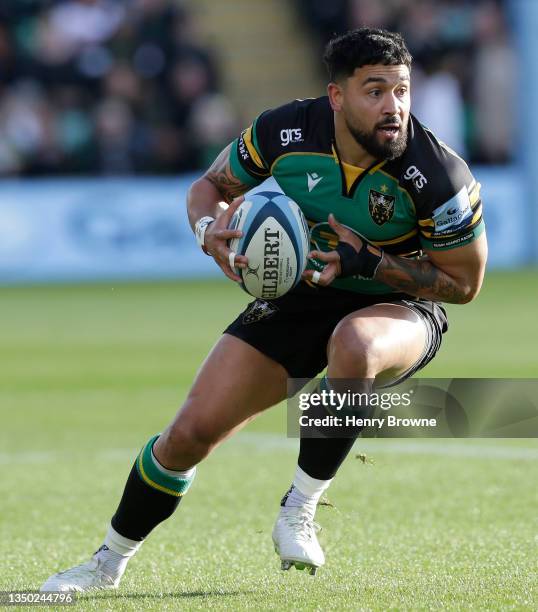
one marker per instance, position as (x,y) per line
(392,336)
(235,382)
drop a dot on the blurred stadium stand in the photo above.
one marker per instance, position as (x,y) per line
(106,87)
(118,88)
(464,71)
(129,87)
(265,50)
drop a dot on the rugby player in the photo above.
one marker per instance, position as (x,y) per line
(357,162)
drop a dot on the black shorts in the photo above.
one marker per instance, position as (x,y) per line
(294,330)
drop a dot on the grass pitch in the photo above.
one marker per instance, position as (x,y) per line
(90,372)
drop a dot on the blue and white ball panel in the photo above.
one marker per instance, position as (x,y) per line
(275,240)
(303,234)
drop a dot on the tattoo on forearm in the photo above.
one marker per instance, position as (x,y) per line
(221,176)
(420,278)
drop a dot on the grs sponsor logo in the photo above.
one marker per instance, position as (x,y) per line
(414,174)
(290,135)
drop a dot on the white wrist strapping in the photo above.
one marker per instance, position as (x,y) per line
(200,228)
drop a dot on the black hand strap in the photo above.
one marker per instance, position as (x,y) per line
(363,263)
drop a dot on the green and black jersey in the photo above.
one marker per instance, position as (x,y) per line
(427,199)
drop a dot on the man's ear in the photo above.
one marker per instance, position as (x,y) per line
(335,93)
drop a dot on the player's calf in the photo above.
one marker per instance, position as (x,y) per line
(187,441)
(151,495)
(236,381)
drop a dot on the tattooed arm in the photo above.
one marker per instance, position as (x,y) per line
(218,184)
(453,276)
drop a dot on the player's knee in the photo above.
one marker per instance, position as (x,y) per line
(355,350)
(188,441)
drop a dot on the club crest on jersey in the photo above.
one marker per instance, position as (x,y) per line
(257,311)
(381,206)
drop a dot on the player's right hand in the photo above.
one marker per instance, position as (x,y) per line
(216,240)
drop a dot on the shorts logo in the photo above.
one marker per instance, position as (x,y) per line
(257,311)
(381,206)
(290,135)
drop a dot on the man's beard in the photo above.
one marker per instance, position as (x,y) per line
(370,143)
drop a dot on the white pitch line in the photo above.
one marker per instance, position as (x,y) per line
(263,442)
(442,447)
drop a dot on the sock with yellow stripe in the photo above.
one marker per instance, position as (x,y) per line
(151,495)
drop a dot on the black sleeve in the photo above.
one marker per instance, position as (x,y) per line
(293,127)
(449,209)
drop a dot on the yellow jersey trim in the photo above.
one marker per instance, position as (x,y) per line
(247,138)
(330,237)
(351,173)
(377,167)
(474,194)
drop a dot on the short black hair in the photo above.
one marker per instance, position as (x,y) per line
(362,47)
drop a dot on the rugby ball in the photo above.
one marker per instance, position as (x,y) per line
(275,240)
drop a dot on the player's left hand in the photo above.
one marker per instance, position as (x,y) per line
(353,256)
(333,268)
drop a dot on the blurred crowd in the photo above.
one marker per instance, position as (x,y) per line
(106,86)
(464,71)
(124,86)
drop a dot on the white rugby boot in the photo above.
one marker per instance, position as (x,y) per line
(85,577)
(295,539)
